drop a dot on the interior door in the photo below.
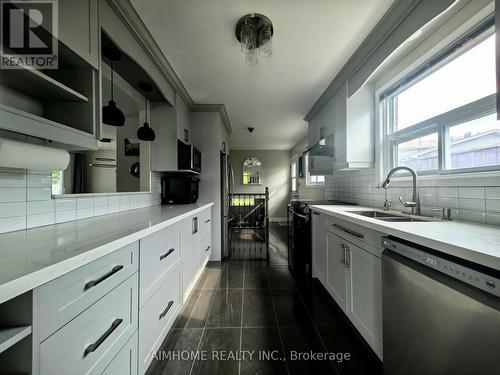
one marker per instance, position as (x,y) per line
(336,278)
(364,290)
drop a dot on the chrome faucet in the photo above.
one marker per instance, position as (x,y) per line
(415,202)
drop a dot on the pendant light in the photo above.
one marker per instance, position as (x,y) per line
(145,133)
(111,114)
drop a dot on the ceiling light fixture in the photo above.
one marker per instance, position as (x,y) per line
(111,114)
(255,32)
(145,133)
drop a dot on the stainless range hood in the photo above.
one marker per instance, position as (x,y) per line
(323,148)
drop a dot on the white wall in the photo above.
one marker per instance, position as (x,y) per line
(208,133)
(276,176)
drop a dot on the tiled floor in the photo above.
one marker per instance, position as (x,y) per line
(241,307)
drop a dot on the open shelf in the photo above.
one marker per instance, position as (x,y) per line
(11,336)
(37,84)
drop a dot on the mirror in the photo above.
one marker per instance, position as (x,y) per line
(252,171)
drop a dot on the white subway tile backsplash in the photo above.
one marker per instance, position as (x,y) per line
(12,209)
(12,223)
(124,202)
(493,205)
(100,201)
(114,200)
(65,204)
(493,218)
(101,210)
(39,193)
(12,195)
(84,203)
(449,192)
(84,213)
(471,192)
(64,216)
(39,180)
(492,192)
(12,180)
(477,204)
(40,207)
(447,202)
(469,215)
(40,220)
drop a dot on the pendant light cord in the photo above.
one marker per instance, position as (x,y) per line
(112,68)
(146,105)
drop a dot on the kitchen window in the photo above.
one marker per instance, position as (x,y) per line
(293,174)
(442,117)
(317,180)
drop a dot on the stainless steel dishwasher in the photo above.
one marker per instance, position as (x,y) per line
(441,314)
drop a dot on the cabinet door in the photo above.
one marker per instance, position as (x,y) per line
(79,28)
(186,254)
(125,362)
(336,269)
(364,290)
(183,120)
(196,246)
(319,247)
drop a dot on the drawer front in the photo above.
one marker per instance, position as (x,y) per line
(206,247)
(62,299)
(157,316)
(356,234)
(158,253)
(205,218)
(88,343)
(125,362)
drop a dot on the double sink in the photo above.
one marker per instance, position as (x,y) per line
(390,217)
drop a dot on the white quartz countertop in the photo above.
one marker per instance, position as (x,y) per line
(30,258)
(474,242)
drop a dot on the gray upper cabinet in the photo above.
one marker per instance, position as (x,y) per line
(79,28)
(183,120)
(164,148)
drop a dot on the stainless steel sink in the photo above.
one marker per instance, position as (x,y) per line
(390,217)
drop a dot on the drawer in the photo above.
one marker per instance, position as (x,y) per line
(158,253)
(205,218)
(157,316)
(206,248)
(356,234)
(88,343)
(62,299)
(125,362)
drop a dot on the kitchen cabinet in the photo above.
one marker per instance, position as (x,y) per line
(183,114)
(164,148)
(125,362)
(190,257)
(79,28)
(319,251)
(349,123)
(336,272)
(353,273)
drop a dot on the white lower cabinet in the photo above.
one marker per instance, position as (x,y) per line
(88,343)
(125,362)
(336,280)
(157,316)
(353,277)
(319,260)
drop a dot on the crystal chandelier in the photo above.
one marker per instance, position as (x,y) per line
(255,31)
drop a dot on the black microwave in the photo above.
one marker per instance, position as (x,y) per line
(188,157)
(179,189)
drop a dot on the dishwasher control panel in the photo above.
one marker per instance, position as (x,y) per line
(458,271)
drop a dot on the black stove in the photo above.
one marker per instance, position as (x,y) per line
(299,235)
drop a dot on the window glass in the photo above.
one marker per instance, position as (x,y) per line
(475,143)
(469,77)
(57,182)
(420,154)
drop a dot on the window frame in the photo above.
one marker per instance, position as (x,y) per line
(440,123)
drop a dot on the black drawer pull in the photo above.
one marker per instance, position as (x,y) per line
(351,232)
(93,347)
(93,283)
(208,248)
(165,312)
(170,251)
(207,221)
(315,213)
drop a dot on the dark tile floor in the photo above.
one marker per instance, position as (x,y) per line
(242,307)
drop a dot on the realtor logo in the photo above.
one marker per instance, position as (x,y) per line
(28,34)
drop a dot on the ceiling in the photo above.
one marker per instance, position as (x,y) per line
(312,41)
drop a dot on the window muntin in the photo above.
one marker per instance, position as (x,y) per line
(436,115)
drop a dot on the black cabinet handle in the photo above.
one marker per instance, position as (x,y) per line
(195,225)
(207,221)
(165,312)
(351,232)
(93,283)
(315,213)
(93,347)
(208,248)
(170,251)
